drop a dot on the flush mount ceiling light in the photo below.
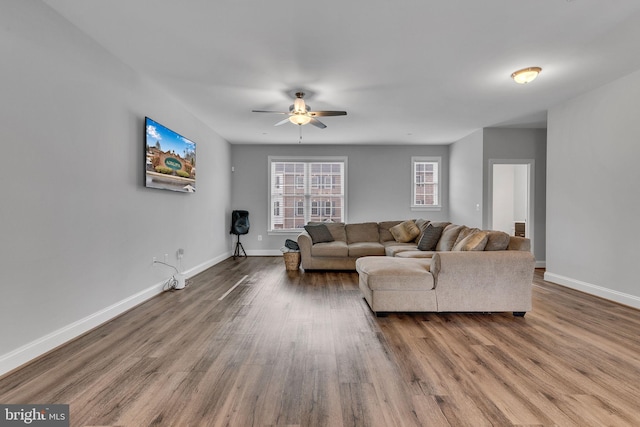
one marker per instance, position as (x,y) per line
(526,75)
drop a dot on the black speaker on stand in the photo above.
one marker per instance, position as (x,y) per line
(239,225)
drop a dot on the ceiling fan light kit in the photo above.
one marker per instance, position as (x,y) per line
(526,75)
(299,113)
(299,119)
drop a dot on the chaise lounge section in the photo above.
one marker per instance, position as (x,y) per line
(449,282)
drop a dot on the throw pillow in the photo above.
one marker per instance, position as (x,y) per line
(422,225)
(448,238)
(383,230)
(319,233)
(497,241)
(405,231)
(430,238)
(466,231)
(473,242)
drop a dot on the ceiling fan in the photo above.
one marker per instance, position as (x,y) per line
(300,114)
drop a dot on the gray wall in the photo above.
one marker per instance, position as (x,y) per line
(593,197)
(465,174)
(501,143)
(378,184)
(78,228)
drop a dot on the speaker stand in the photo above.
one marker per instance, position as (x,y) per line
(239,247)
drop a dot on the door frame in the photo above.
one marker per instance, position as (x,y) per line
(531,171)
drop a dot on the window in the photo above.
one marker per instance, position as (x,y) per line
(304,190)
(327,182)
(325,208)
(425,182)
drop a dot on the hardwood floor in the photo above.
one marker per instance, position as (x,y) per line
(295,348)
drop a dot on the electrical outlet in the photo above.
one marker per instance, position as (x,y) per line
(155,259)
(259,237)
(180,253)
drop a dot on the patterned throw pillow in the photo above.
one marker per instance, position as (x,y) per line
(473,242)
(405,231)
(449,237)
(319,233)
(430,238)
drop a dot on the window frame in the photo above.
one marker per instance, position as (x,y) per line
(415,160)
(320,185)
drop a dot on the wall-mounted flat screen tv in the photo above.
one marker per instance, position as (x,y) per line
(170,159)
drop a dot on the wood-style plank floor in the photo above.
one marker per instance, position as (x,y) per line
(303,349)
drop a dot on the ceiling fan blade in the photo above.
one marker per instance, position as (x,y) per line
(327,113)
(269,111)
(317,123)
(281,122)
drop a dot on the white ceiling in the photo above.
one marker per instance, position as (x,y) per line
(406,71)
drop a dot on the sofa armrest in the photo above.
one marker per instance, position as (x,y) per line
(305,243)
(485,281)
(517,243)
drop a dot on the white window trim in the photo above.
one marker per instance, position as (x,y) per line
(271,159)
(417,159)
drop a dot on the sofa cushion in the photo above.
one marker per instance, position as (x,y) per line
(405,232)
(366,249)
(319,233)
(497,241)
(383,230)
(422,223)
(430,238)
(383,273)
(517,243)
(362,232)
(476,241)
(415,254)
(330,249)
(442,224)
(392,248)
(448,237)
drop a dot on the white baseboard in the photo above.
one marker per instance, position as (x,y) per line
(606,293)
(265,252)
(43,345)
(541,264)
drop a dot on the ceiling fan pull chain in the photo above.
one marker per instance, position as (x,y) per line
(300,140)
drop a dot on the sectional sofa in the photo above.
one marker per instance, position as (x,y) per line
(418,265)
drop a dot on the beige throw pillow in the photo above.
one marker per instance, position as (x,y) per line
(466,231)
(473,242)
(405,231)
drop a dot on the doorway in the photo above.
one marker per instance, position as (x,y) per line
(511,197)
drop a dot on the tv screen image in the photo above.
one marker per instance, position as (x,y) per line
(170,159)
